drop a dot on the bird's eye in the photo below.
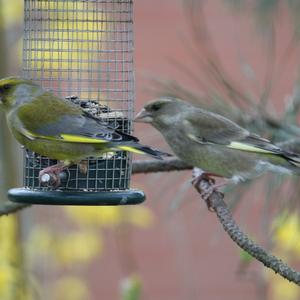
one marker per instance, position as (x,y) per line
(6,86)
(156,107)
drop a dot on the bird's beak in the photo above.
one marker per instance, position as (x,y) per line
(143,117)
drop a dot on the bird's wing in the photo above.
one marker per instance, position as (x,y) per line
(209,128)
(50,117)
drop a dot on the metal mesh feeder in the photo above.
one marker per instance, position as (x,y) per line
(82,51)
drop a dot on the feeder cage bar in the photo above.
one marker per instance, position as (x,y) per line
(83,51)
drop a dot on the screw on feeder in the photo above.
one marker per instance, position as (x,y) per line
(46,179)
(88,54)
(52,179)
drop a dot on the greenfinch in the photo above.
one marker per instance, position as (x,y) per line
(59,129)
(215,144)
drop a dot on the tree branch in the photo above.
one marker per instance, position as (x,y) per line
(217,204)
(154,165)
(8,207)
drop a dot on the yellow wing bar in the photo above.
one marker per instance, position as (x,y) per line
(131,149)
(81,139)
(247,147)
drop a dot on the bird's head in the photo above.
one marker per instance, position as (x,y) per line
(162,112)
(14,90)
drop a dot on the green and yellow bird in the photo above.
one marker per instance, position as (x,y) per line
(214,143)
(57,128)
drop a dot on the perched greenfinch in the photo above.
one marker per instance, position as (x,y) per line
(59,129)
(215,144)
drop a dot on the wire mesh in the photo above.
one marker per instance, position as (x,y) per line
(83,50)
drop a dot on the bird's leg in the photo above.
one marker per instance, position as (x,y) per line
(51,175)
(205,185)
(83,166)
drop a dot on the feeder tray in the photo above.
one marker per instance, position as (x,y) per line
(28,196)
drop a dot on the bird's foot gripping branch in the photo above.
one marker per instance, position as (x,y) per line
(206,185)
(215,202)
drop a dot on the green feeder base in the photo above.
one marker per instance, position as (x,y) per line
(28,196)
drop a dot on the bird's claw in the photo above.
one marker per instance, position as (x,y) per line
(206,186)
(83,167)
(196,182)
(206,191)
(51,176)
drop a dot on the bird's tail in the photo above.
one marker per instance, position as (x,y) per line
(290,150)
(292,158)
(141,149)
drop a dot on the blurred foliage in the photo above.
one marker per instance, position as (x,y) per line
(12,13)
(282,289)
(73,251)
(63,249)
(110,216)
(286,234)
(245,257)
(268,11)
(70,288)
(13,282)
(131,288)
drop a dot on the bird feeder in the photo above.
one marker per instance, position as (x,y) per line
(82,50)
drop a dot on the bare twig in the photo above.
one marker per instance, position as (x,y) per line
(153,165)
(8,207)
(217,204)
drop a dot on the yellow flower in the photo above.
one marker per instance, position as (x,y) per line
(77,248)
(70,288)
(110,215)
(40,238)
(12,12)
(283,289)
(140,216)
(91,216)
(13,284)
(8,235)
(287,246)
(287,231)
(66,249)
(11,272)
(6,279)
